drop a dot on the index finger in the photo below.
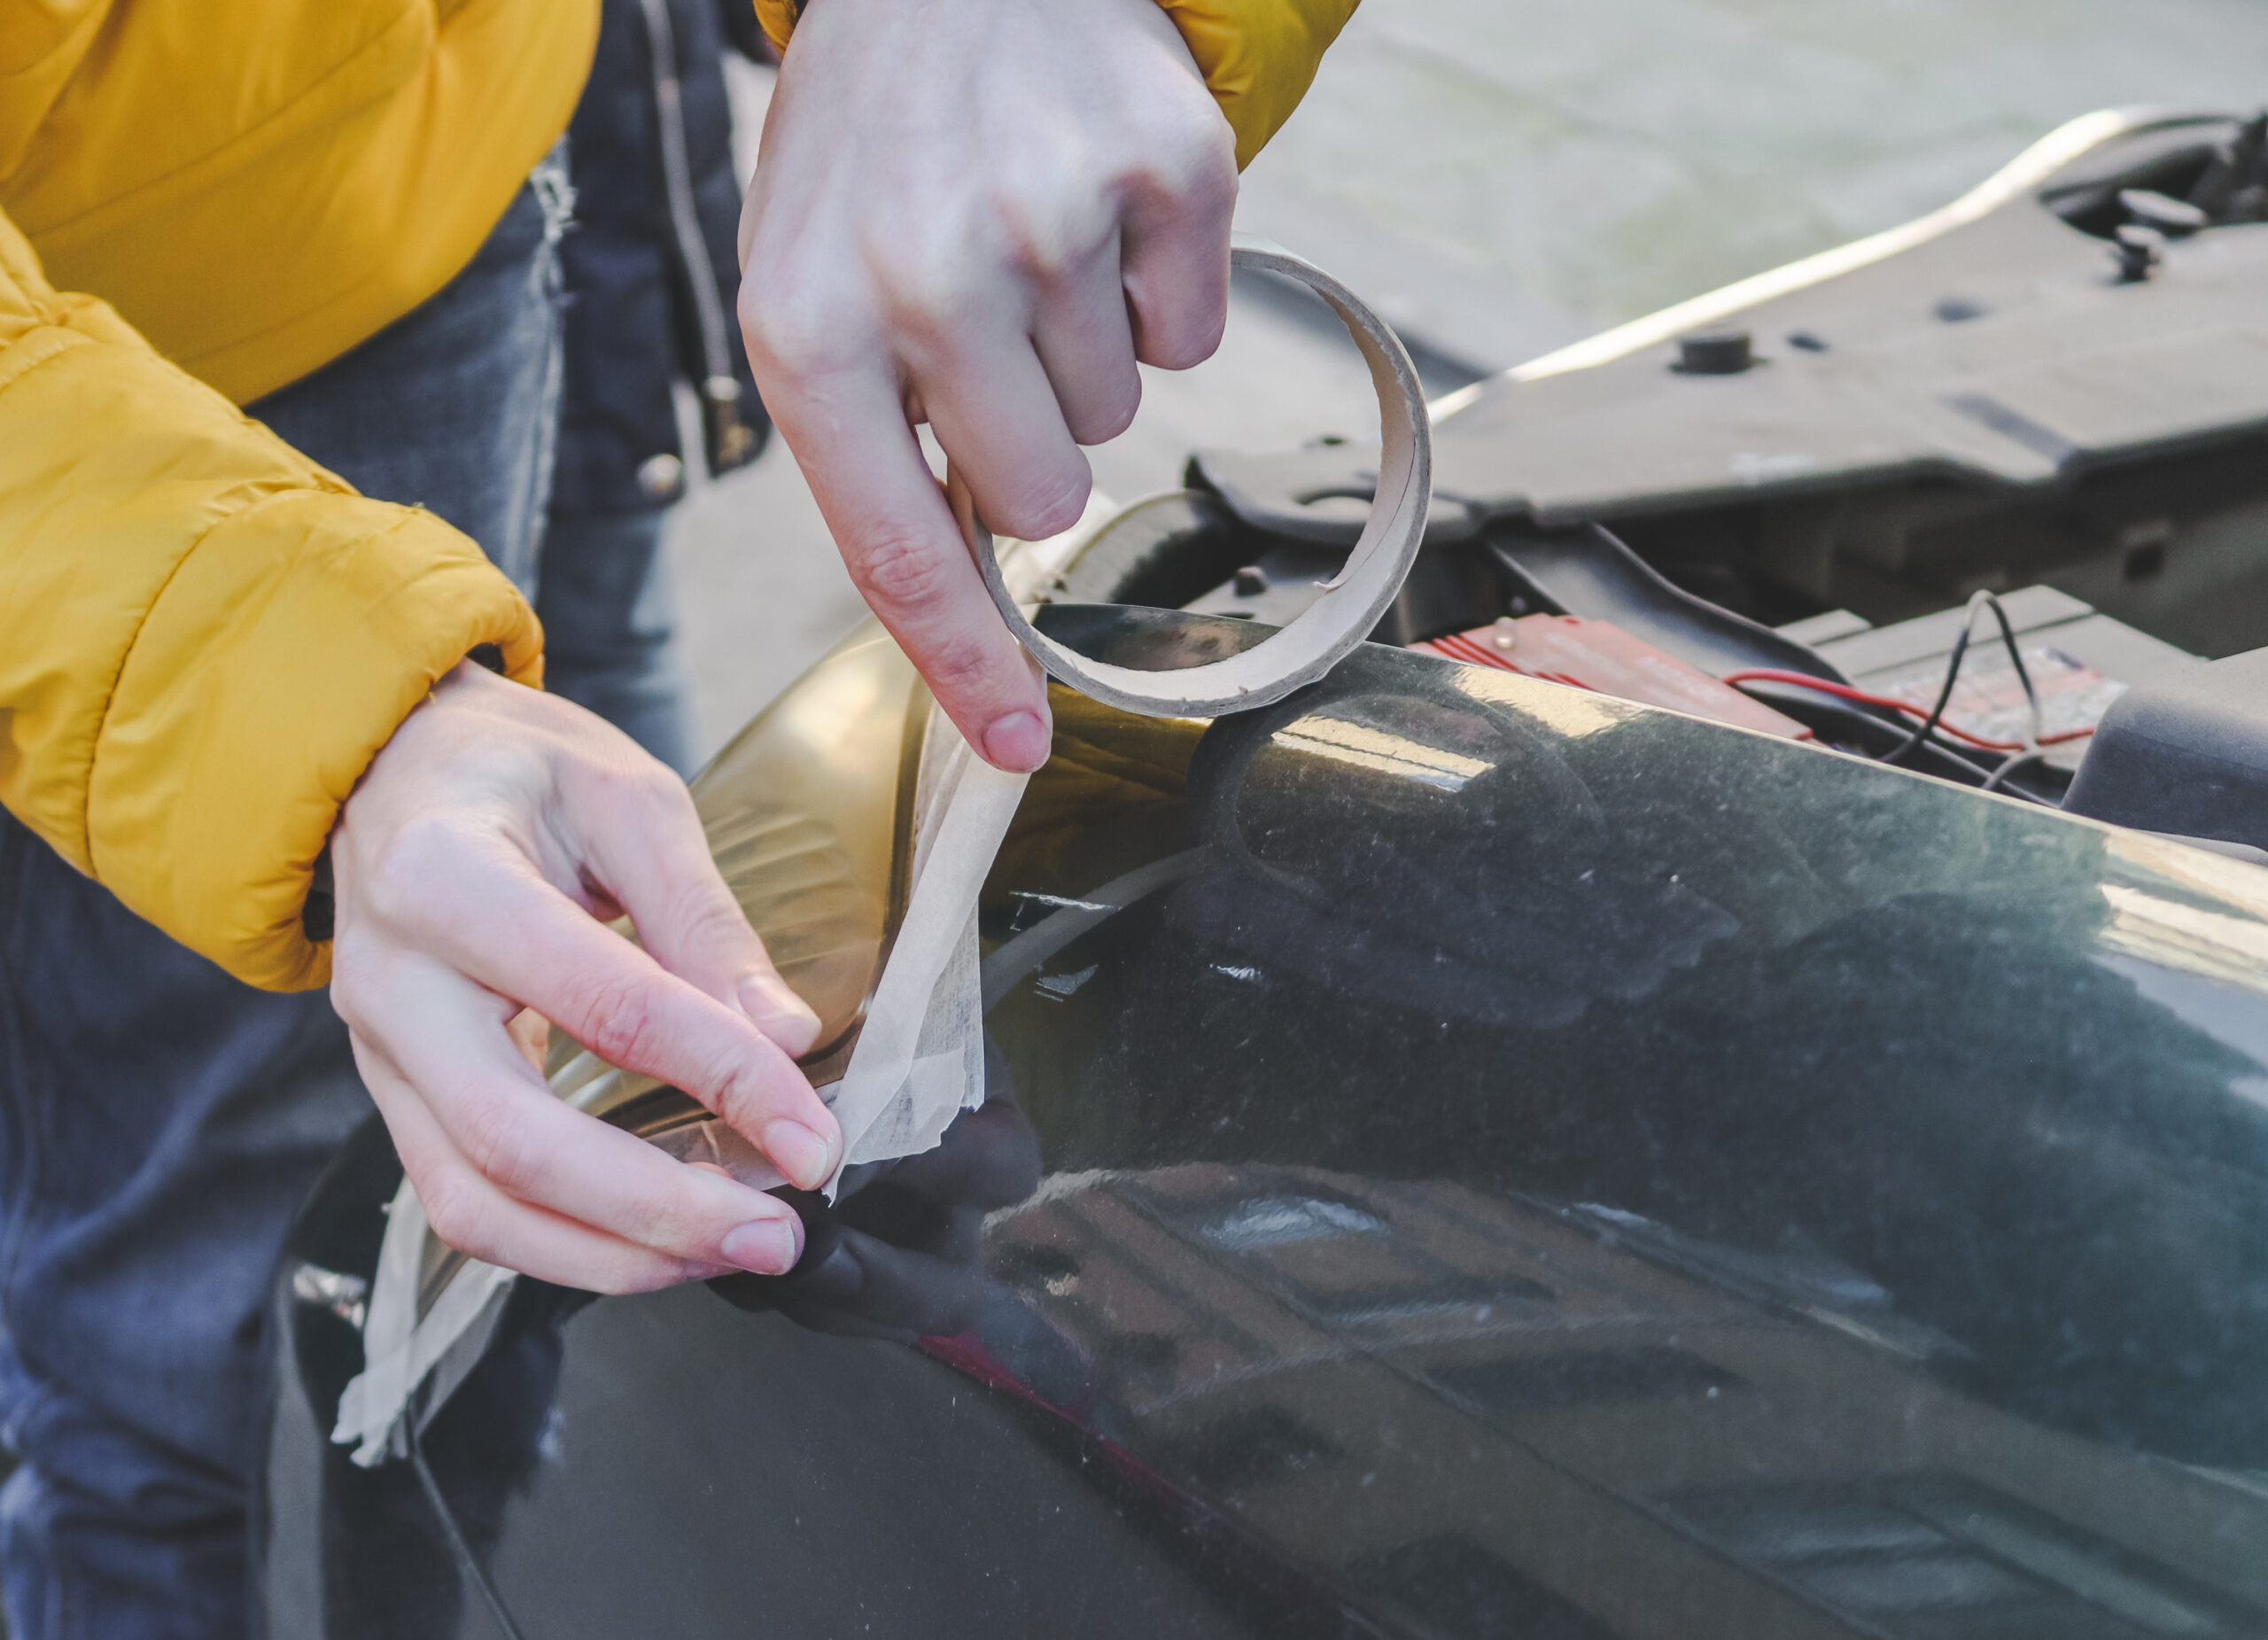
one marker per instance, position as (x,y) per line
(517,936)
(898,539)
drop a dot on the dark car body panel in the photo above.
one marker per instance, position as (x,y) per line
(1540,1166)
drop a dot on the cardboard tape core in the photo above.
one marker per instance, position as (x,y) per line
(1353,601)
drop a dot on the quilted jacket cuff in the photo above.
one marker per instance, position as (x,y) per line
(283,653)
(1258,57)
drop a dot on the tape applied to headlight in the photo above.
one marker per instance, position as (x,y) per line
(919,1060)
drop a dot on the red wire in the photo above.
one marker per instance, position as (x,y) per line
(1843,691)
(1459,646)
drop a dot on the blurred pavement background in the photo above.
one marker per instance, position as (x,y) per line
(1502,177)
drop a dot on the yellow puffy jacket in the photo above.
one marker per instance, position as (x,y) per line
(203,636)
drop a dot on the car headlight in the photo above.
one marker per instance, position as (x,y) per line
(810,815)
(806,812)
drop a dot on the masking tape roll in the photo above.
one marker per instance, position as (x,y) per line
(1352,601)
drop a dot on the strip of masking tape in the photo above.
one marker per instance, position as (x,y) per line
(399,1347)
(918,1063)
(919,1060)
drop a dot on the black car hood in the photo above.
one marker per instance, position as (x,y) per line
(1536,1165)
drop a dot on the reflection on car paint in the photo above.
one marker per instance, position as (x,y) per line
(1676,1183)
(1367,748)
(1496,1383)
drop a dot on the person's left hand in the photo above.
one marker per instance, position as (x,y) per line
(477,865)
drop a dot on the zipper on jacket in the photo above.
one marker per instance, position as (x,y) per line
(728,439)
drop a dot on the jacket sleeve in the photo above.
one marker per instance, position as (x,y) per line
(203,636)
(1258,56)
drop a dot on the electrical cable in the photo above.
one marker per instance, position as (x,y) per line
(1869,732)
(1933,723)
(1844,691)
(2008,766)
(1928,725)
(1834,716)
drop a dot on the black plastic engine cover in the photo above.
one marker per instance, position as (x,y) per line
(2187,753)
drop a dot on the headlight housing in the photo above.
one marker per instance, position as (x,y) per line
(806,812)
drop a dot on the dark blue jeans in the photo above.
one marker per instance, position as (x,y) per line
(610,628)
(159,1121)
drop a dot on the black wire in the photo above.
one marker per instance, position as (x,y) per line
(1826,715)
(463,1550)
(1928,725)
(2015,762)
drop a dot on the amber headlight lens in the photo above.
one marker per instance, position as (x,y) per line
(804,814)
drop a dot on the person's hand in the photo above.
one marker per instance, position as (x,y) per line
(473,867)
(978,213)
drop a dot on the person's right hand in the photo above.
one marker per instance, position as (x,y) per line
(978,215)
(473,868)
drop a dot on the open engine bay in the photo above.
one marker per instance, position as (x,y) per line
(1939,498)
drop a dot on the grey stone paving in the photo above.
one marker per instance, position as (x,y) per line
(1503,178)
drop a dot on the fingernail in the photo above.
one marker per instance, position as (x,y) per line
(780,1014)
(764,1246)
(1017,742)
(802,1155)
